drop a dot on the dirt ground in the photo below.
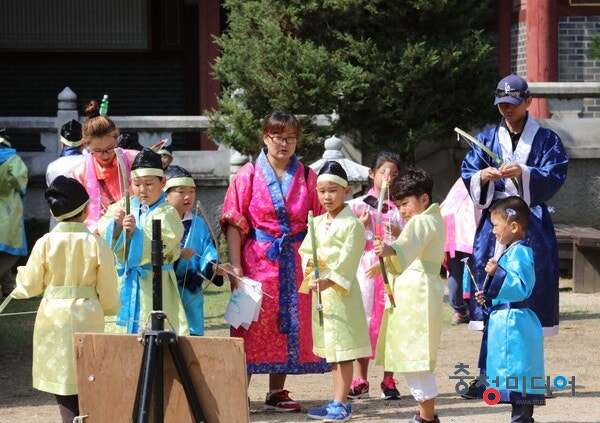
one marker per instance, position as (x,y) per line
(574,352)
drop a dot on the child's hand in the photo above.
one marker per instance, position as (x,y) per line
(224,269)
(374,270)
(129,223)
(365,216)
(320,284)
(393,229)
(480,298)
(119,216)
(382,249)
(491,267)
(187,253)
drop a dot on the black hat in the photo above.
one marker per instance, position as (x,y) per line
(129,141)
(70,134)
(332,171)
(4,138)
(147,163)
(178,177)
(66,197)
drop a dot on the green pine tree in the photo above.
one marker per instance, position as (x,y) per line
(398,72)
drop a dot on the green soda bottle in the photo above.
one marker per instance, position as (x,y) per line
(104,105)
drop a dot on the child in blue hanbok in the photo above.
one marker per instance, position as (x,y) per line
(199,256)
(130,233)
(512,347)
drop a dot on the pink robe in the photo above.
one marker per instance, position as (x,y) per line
(281,340)
(373,289)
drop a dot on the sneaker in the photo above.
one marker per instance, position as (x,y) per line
(472,391)
(359,389)
(388,388)
(280,401)
(417,419)
(337,412)
(459,319)
(319,413)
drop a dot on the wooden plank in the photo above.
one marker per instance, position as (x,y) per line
(108,369)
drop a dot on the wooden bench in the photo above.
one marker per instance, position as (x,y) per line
(581,247)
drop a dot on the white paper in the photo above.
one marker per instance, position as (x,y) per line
(243,307)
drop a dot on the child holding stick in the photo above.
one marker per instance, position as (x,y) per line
(343,335)
(129,232)
(199,254)
(513,343)
(410,333)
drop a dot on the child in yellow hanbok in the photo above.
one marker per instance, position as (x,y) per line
(343,335)
(75,272)
(410,333)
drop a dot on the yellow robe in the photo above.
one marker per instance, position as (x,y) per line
(410,333)
(13,183)
(344,334)
(75,271)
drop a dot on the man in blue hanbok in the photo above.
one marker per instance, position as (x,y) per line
(534,167)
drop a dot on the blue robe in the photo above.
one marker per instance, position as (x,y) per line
(513,343)
(544,162)
(136,277)
(191,273)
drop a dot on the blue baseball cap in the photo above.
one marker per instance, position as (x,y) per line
(511,89)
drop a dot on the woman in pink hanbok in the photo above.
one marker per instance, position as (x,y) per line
(265,216)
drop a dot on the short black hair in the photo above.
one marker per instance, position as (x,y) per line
(520,210)
(413,181)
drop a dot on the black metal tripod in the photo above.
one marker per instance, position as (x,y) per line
(151,371)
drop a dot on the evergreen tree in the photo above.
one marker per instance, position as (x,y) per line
(398,72)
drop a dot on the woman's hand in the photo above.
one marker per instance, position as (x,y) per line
(238,272)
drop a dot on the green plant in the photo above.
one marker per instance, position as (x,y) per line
(397,72)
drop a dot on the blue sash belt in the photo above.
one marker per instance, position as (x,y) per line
(129,314)
(277,243)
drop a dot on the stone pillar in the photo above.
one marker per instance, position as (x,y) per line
(542,49)
(67,111)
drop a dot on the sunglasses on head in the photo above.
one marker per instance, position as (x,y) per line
(373,202)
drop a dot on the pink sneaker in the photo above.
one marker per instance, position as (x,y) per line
(359,389)
(388,388)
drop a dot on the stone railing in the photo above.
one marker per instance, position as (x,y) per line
(212,169)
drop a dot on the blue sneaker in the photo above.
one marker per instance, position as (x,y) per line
(338,412)
(319,413)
